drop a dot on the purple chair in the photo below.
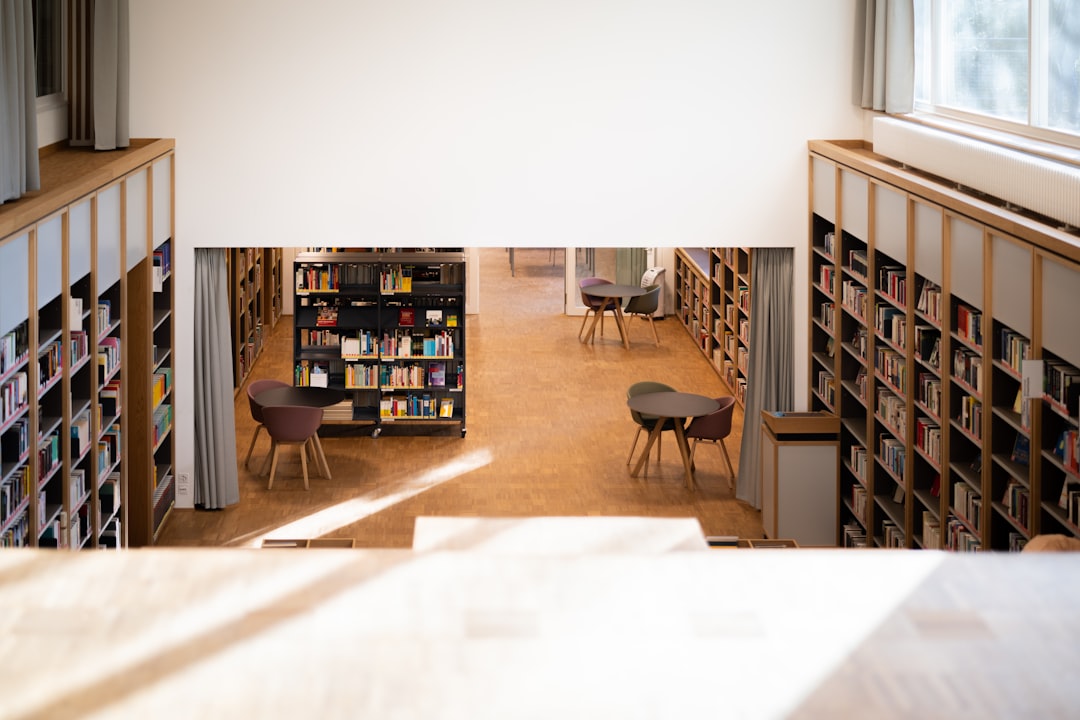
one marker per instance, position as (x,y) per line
(292,425)
(594,304)
(713,428)
(254,388)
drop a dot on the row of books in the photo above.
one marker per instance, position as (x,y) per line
(827,316)
(108,450)
(828,243)
(161,384)
(857,457)
(892,454)
(857,262)
(892,367)
(891,324)
(892,409)
(858,502)
(930,393)
(404,344)
(108,357)
(13,396)
(892,535)
(416,406)
(959,537)
(1016,501)
(854,535)
(14,349)
(161,422)
(1070,501)
(928,345)
(928,438)
(967,502)
(970,416)
(48,455)
(1067,449)
(967,366)
(17,533)
(80,435)
(931,531)
(50,363)
(892,281)
(827,278)
(1015,348)
(969,324)
(826,387)
(325,278)
(1062,385)
(929,304)
(13,494)
(104,316)
(853,297)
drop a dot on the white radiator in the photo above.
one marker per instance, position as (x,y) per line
(1042,186)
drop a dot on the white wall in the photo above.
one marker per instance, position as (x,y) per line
(490,122)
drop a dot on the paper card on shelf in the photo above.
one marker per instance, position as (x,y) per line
(319,377)
(159,278)
(1031,373)
(433,317)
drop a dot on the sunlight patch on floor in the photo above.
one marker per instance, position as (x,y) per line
(346,513)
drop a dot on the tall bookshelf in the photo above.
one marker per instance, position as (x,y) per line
(942,333)
(730,298)
(75,335)
(388,328)
(712,299)
(246,305)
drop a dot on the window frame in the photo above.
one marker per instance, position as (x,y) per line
(1030,133)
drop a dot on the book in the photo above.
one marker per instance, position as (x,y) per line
(446,407)
(437,374)
(327,316)
(433,317)
(1021,452)
(407,316)
(451,320)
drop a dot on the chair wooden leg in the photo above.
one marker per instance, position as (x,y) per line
(321,456)
(727,458)
(303,463)
(693,449)
(251,447)
(273,464)
(653,326)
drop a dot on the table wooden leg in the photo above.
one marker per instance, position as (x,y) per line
(621,322)
(653,437)
(684,449)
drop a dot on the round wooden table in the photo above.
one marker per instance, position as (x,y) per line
(675,405)
(614,294)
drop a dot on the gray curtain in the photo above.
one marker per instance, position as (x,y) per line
(216,484)
(630,265)
(771,384)
(110,75)
(888,69)
(18,101)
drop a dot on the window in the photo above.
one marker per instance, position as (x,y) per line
(48,47)
(1012,64)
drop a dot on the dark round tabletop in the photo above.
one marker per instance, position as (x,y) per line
(673,404)
(611,290)
(305,396)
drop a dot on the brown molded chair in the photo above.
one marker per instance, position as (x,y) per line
(713,428)
(293,425)
(594,304)
(645,306)
(253,389)
(647,422)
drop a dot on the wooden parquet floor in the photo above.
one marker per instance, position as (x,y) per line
(548,434)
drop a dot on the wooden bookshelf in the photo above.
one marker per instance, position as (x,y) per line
(926,307)
(712,299)
(83,333)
